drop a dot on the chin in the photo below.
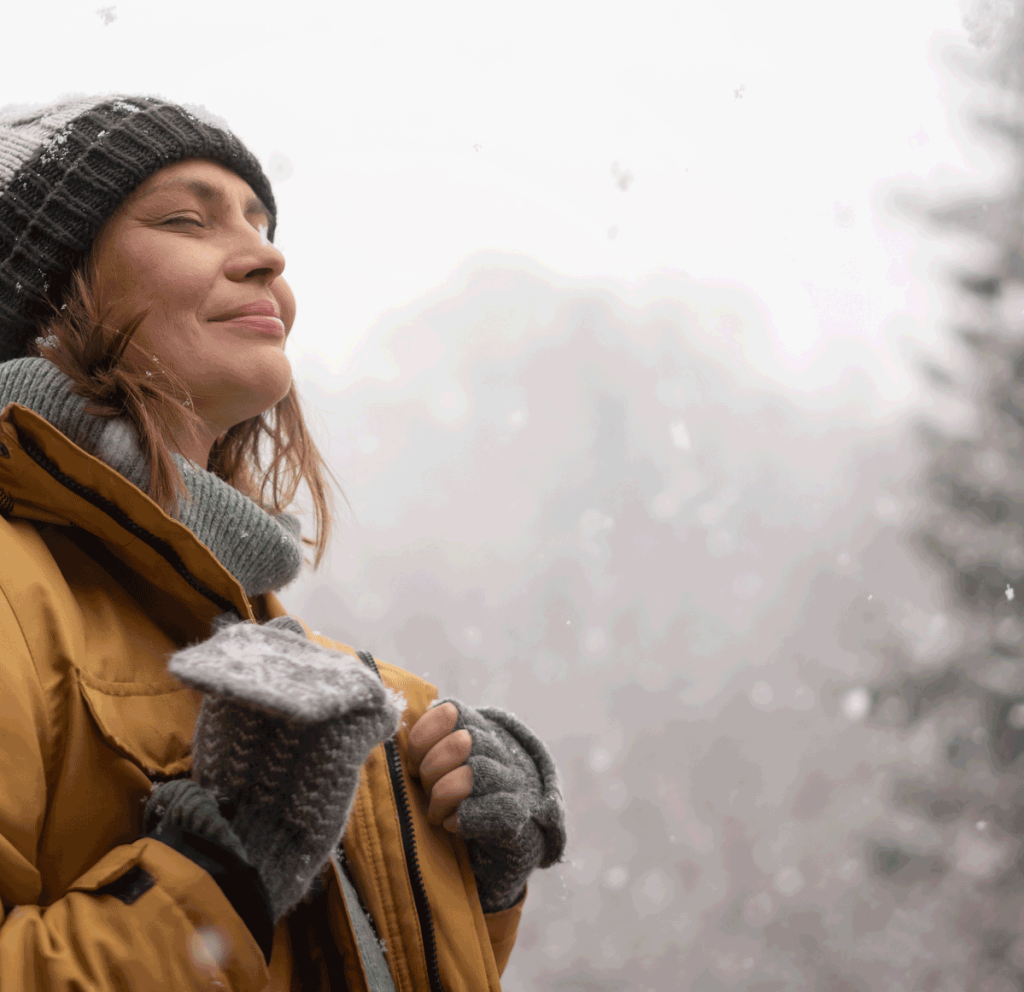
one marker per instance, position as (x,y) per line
(274,389)
(265,384)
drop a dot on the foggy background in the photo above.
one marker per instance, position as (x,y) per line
(614,323)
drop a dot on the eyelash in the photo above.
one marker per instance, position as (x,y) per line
(183,220)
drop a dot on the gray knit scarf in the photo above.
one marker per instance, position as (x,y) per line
(262,550)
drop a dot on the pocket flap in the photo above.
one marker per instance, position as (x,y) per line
(150,723)
(114,865)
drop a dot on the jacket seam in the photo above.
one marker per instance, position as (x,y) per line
(128,688)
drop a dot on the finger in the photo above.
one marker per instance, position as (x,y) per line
(448,793)
(451,823)
(437,722)
(444,757)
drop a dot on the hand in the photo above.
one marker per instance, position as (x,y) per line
(438,754)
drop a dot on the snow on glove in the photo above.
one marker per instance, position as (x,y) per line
(282,733)
(514,819)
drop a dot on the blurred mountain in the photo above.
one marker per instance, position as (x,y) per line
(589,514)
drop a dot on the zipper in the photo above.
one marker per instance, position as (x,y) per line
(412,864)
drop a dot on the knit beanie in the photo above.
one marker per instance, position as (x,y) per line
(66,167)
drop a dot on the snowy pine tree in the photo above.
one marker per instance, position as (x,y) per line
(961,804)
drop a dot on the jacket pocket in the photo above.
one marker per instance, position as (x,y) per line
(150,723)
(109,870)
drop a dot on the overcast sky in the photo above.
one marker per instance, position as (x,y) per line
(622,142)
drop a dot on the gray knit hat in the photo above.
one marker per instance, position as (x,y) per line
(66,167)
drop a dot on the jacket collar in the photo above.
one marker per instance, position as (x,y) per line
(45,477)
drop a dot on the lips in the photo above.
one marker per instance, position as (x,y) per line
(262,316)
(264,308)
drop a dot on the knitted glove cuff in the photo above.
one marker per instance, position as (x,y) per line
(514,818)
(188,805)
(186,817)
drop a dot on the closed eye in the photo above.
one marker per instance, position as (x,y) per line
(182,220)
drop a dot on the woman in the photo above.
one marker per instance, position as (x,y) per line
(195,791)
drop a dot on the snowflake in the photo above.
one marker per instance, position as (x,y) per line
(680,436)
(623,177)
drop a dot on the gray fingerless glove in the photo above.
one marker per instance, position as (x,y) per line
(514,819)
(282,733)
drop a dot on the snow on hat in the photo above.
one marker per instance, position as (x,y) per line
(66,167)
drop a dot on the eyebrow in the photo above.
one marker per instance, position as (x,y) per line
(209,194)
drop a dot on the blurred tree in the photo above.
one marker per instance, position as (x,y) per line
(966,706)
(986,21)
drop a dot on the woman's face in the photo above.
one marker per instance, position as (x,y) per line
(189,244)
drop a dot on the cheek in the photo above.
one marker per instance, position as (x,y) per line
(170,331)
(174,290)
(166,281)
(286,301)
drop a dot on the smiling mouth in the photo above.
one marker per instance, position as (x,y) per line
(257,322)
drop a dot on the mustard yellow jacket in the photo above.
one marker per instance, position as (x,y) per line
(97,587)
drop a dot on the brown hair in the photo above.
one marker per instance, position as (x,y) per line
(118,378)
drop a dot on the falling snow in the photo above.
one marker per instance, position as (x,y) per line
(209,948)
(690,583)
(680,436)
(856,704)
(279,167)
(623,177)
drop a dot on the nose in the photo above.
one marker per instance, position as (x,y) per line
(253,256)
